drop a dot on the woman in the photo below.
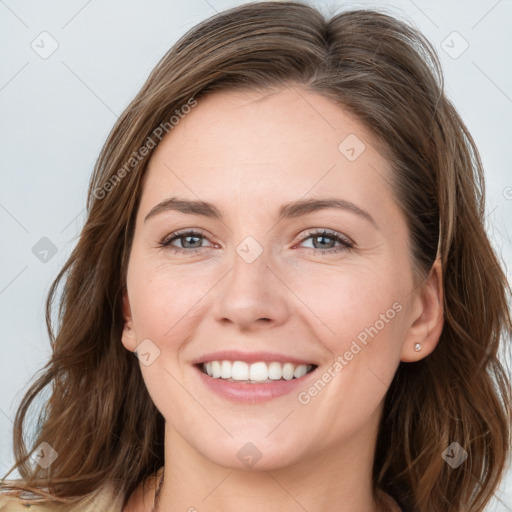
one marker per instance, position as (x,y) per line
(285,227)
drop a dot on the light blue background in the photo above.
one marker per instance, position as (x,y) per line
(56,112)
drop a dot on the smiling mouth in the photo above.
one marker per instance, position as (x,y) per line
(255,373)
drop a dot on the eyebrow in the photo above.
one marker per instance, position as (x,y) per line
(287,211)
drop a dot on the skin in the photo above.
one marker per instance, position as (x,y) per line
(249,153)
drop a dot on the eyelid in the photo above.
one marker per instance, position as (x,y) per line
(346,242)
(166,241)
(183,232)
(327,232)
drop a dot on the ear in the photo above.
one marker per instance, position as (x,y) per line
(128,337)
(427,317)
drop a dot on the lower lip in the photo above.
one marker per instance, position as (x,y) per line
(252,393)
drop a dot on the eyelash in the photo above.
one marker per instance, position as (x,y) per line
(333,235)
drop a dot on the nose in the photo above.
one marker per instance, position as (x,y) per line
(252,296)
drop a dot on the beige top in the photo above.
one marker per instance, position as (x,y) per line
(100,500)
(104,500)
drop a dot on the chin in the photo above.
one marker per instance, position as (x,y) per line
(252,453)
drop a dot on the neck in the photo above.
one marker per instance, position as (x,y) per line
(340,478)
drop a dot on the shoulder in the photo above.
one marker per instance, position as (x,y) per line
(103,499)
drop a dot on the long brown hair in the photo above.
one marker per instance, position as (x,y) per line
(99,416)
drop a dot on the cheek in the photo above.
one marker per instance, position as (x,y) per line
(357,316)
(167,307)
(350,303)
(166,298)
(363,332)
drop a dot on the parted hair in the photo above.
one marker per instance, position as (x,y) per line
(94,408)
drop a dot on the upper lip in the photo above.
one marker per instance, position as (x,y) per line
(249,357)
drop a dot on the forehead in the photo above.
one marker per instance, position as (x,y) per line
(258,146)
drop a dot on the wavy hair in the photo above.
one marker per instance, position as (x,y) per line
(99,415)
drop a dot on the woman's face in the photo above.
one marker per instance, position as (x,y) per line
(268,279)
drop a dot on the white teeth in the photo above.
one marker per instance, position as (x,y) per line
(215,370)
(300,371)
(240,370)
(288,371)
(225,369)
(274,371)
(255,372)
(258,371)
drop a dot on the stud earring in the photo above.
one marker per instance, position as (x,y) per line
(417,347)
